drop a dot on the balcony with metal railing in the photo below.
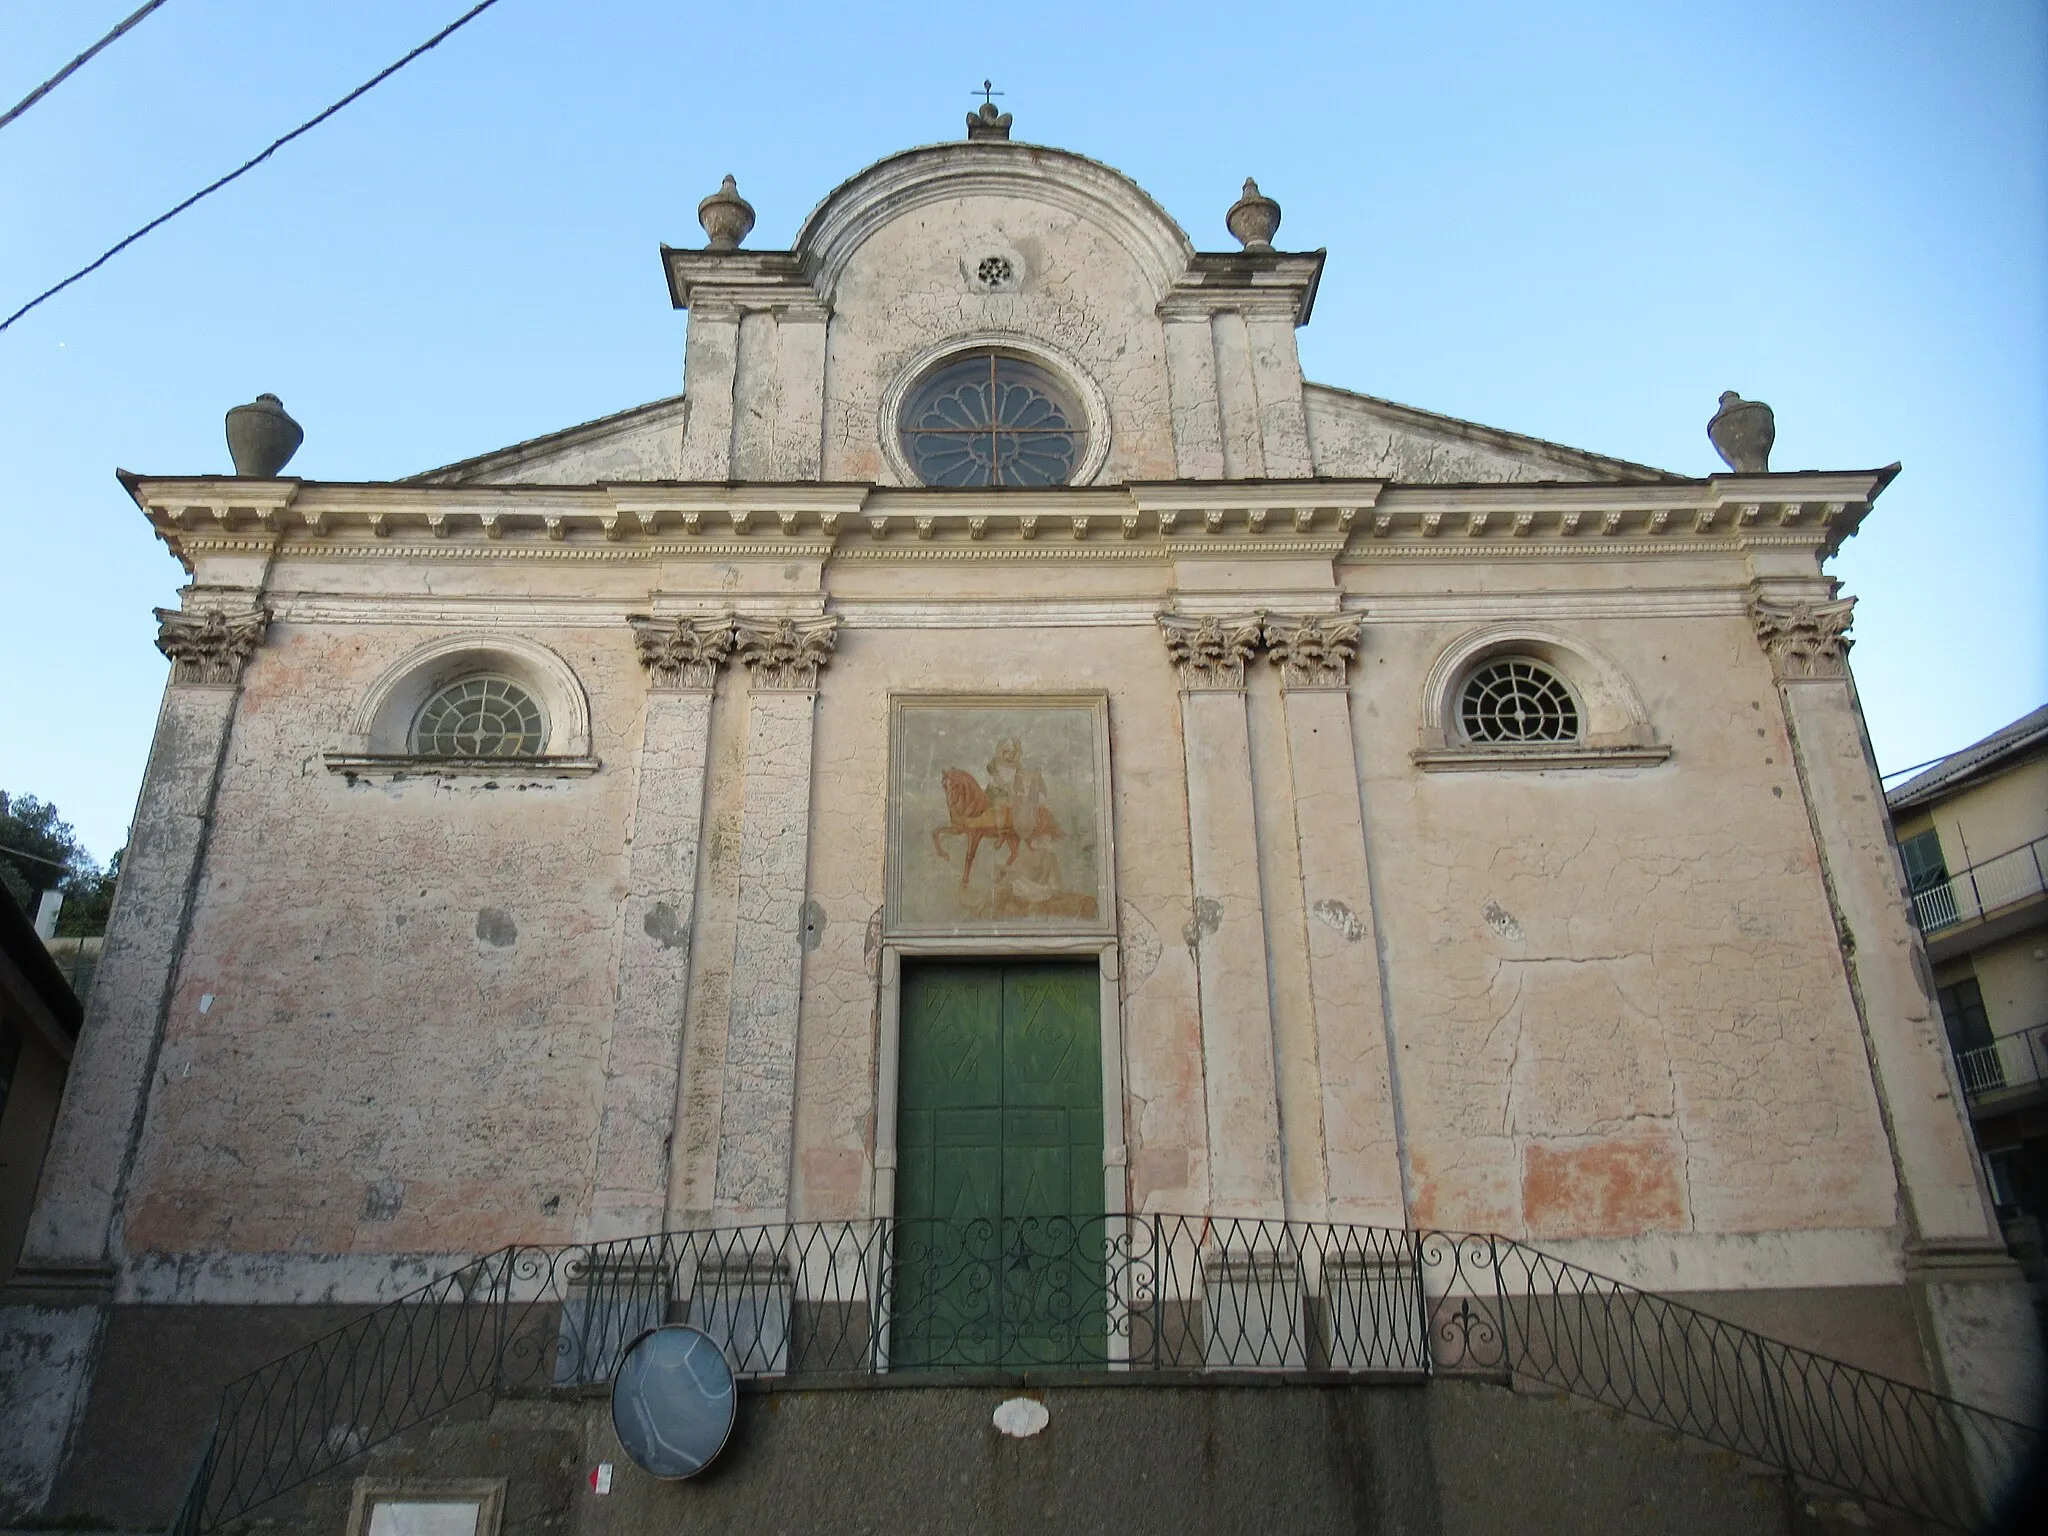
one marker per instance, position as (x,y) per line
(2009,1064)
(1983,890)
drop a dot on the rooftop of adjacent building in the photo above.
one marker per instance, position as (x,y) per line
(1981,759)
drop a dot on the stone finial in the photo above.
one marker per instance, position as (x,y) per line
(726,216)
(682,654)
(785,654)
(1312,652)
(985,122)
(262,438)
(1211,652)
(209,645)
(1805,641)
(1253,218)
(1742,432)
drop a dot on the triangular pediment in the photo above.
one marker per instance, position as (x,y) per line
(1354,436)
(643,443)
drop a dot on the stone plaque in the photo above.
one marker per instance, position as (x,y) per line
(999,815)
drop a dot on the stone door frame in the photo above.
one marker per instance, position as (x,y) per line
(994,951)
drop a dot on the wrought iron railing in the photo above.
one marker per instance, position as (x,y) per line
(1113,1299)
(1983,888)
(2017,1060)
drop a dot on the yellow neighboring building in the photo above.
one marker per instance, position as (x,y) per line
(1973,830)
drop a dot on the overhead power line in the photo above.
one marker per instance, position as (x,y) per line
(249,165)
(68,70)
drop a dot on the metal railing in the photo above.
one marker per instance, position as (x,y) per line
(1983,888)
(1123,1299)
(2017,1060)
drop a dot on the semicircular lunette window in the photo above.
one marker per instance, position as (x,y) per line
(992,419)
(478,717)
(1515,700)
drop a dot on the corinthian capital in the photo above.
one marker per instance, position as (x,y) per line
(682,653)
(1211,652)
(1804,640)
(1312,652)
(209,645)
(785,654)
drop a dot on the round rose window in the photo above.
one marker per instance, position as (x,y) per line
(992,419)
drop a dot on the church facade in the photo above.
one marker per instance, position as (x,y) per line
(999,647)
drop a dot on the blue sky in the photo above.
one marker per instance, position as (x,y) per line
(1582,221)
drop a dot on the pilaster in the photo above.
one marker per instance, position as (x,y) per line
(1971,1296)
(73,1244)
(756,392)
(1237,398)
(1361,1141)
(643,1058)
(93,1146)
(759,1105)
(710,365)
(1191,387)
(1276,377)
(800,400)
(1226,928)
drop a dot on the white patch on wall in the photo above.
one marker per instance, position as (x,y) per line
(1020,1417)
(425,1517)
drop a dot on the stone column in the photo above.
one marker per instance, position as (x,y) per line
(1973,1303)
(757,1121)
(50,1339)
(643,1060)
(1360,1130)
(1227,930)
(100,1124)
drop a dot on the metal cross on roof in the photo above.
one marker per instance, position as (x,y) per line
(988,93)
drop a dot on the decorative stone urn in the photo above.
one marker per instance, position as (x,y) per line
(726,216)
(262,438)
(1253,218)
(1742,432)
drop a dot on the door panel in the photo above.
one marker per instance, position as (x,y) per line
(999,1189)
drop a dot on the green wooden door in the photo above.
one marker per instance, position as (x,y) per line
(999,1204)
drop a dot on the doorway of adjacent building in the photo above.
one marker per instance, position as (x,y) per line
(999,1253)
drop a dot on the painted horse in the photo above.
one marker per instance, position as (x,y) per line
(973,814)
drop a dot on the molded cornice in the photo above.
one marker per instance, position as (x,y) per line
(1355,520)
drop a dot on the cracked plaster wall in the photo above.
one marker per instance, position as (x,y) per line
(1619,1001)
(388,1027)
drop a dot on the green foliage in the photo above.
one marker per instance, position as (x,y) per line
(40,852)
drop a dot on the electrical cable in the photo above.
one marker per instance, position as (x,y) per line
(68,70)
(249,165)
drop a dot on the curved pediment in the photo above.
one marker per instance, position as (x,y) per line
(949,173)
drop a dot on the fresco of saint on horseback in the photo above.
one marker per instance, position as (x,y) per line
(1010,810)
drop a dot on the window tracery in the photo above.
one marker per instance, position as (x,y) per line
(1517,699)
(992,419)
(479,716)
